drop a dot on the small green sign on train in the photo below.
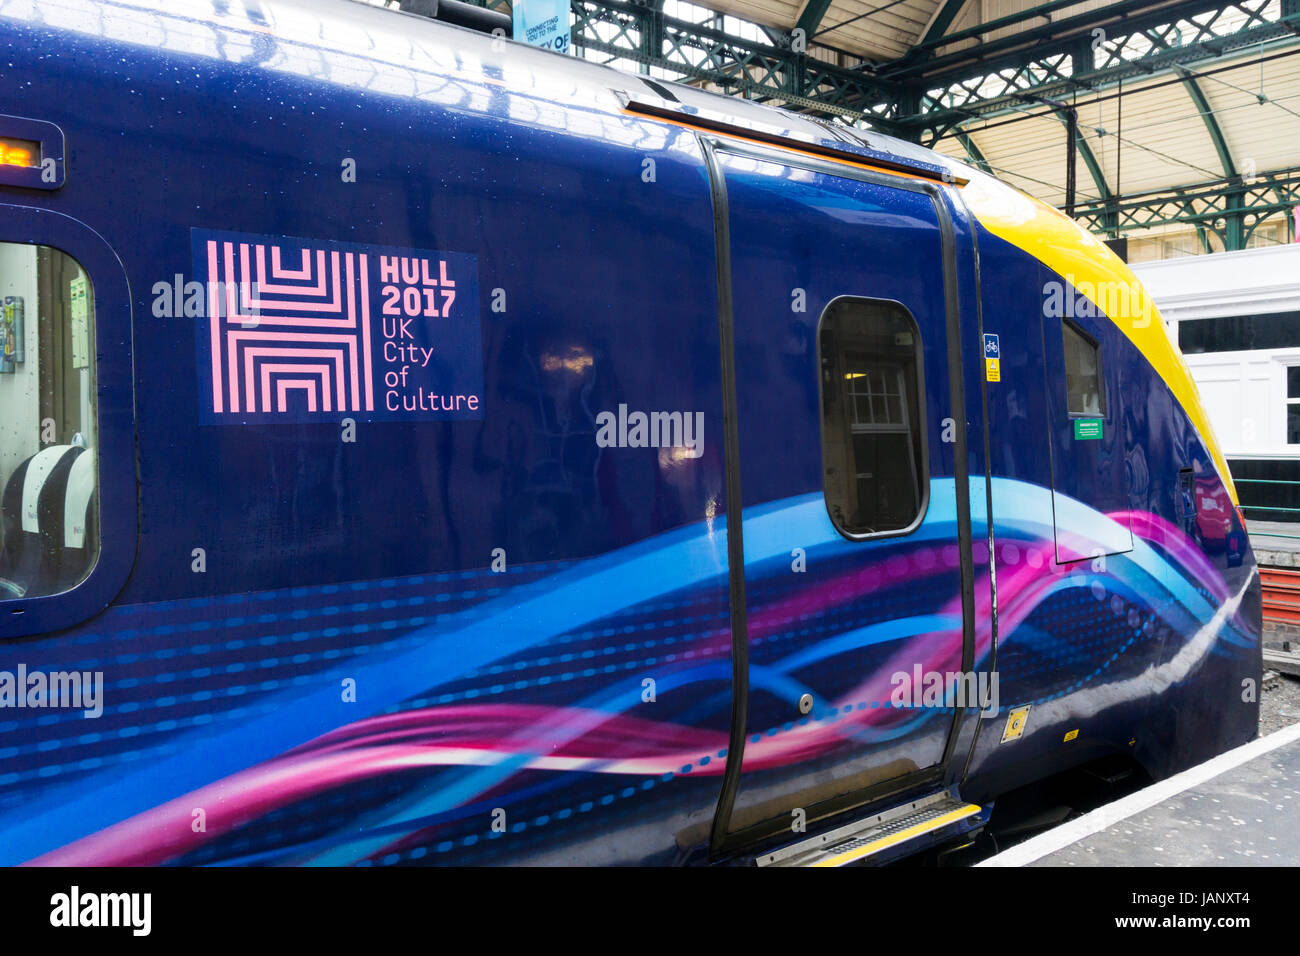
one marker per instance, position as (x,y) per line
(1087,428)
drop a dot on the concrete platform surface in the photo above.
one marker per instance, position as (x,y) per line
(1275,543)
(1240,809)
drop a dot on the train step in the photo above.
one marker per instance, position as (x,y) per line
(867,837)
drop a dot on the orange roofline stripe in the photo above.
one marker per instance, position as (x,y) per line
(824,156)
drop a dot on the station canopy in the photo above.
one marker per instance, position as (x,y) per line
(1188,112)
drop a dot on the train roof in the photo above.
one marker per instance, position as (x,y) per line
(358,45)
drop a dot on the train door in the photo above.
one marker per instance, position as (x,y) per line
(1090,485)
(849,462)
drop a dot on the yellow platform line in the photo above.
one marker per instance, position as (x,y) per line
(875,846)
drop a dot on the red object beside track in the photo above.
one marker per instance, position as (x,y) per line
(1281,595)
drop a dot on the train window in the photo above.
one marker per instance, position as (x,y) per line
(48,472)
(1085,394)
(873,461)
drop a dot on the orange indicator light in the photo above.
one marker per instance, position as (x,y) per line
(19,152)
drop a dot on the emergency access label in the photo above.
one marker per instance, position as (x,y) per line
(1087,429)
(300,330)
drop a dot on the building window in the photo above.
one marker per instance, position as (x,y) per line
(873,457)
(1239,333)
(48,467)
(1084,389)
(1293,405)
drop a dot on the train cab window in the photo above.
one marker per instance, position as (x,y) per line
(48,472)
(873,462)
(1085,394)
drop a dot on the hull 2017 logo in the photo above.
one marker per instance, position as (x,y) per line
(297,330)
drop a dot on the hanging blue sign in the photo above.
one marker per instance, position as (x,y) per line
(543,23)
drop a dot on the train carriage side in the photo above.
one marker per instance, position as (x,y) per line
(436,559)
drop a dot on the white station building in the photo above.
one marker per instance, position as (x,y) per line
(1236,317)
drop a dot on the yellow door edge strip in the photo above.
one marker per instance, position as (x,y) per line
(875,846)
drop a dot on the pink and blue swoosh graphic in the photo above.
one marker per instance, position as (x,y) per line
(472,753)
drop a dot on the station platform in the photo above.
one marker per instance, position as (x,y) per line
(1275,543)
(1241,808)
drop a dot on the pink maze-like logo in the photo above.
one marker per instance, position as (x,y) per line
(296,330)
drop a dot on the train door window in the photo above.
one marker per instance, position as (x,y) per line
(873,461)
(48,441)
(1084,390)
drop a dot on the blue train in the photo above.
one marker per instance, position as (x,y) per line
(419,448)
